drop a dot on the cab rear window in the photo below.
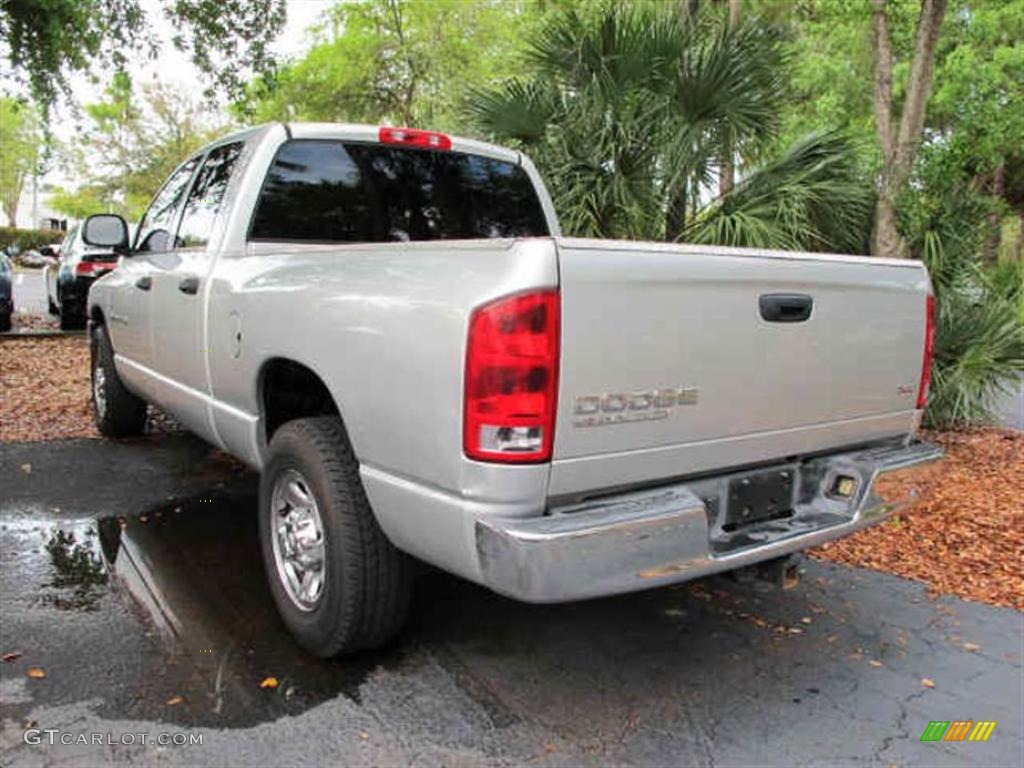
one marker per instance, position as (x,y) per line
(345,192)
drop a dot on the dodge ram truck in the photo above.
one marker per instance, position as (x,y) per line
(389,326)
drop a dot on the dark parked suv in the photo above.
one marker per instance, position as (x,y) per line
(6,295)
(68,281)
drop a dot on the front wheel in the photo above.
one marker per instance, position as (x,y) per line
(338,582)
(69,321)
(117,411)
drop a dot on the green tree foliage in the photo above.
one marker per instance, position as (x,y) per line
(20,152)
(44,41)
(979,340)
(392,61)
(132,143)
(625,109)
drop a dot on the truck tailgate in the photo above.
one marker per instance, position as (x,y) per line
(641,321)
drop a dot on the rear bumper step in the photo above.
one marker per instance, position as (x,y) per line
(670,534)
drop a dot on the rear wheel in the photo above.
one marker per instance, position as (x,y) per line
(117,411)
(338,583)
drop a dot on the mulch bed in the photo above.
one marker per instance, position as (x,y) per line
(44,391)
(964,537)
(25,321)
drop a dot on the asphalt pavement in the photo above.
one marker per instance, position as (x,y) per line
(130,574)
(30,292)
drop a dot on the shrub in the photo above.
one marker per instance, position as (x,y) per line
(23,239)
(979,334)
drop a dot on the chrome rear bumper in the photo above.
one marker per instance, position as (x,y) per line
(674,533)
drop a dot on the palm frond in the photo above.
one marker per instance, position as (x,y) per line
(811,198)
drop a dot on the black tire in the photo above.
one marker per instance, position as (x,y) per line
(70,321)
(366,581)
(5,322)
(50,306)
(124,414)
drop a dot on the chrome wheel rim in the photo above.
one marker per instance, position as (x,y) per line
(99,390)
(297,533)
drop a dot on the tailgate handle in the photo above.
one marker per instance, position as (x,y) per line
(786,307)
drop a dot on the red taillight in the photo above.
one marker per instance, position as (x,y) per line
(929,348)
(512,379)
(412,137)
(94,268)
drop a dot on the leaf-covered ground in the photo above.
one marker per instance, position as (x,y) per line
(965,537)
(44,389)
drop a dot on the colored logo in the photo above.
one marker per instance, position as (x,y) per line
(958,730)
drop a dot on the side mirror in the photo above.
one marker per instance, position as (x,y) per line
(105,230)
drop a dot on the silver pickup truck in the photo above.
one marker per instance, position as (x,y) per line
(389,326)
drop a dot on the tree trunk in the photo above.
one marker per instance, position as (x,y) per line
(675,217)
(11,211)
(727,173)
(994,236)
(898,148)
(1018,252)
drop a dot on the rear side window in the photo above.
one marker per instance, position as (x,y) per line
(205,198)
(332,191)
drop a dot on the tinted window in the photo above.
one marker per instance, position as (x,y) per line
(348,192)
(158,223)
(205,198)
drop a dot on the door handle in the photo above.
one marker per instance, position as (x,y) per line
(145,282)
(189,285)
(785,307)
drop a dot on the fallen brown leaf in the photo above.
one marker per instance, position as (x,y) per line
(36,673)
(268,682)
(11,656)
(175,701)
(972,647)
(927,683)
(875,663)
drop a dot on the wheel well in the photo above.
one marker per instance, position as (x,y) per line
(290,390)
(96,315)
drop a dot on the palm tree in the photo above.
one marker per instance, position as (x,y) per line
(626,111)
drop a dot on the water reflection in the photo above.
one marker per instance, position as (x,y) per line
(79,577)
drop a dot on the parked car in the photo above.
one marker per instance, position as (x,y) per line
(68,278)
(50,252)
(6,293)
(32,259)
(388,324)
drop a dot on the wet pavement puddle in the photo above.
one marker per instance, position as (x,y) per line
(190,573)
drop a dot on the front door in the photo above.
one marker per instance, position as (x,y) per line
(131,320)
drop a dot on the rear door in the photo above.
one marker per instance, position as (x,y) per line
(180,278)
(677,359)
